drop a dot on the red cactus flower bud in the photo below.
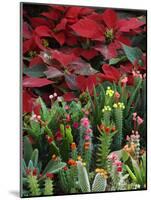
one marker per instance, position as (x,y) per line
(28,171)
(50,175)
(119,169)
(67,126)
(35,172)
(65,168)
(107,130)
(49,139)
(113,128)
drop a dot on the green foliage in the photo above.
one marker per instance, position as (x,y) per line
(64,182)
(35,71)
(114,61)
(34,157)
(28,149)
(116,121)
(48,189)
(68,135)
(138,171)
(99,183)
(133,53)
(83,178)
(33,185)
(53,166)
(134,93)
(104,147)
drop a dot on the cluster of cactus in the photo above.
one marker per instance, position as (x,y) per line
(72,141)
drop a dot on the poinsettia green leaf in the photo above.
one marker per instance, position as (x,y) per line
(35,71)
(133,53)
(114,61)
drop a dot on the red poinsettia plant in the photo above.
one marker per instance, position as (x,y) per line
(71,49)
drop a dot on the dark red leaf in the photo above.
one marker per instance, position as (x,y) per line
(61,25)
(110,73)
(89,29)
(43,31)
(35,61)
(38,42)
(107,51)
(27,44)
(87,83)
(64,59)
(35,82)
(27,30)
(95,17)
(60,37)
(131,24)
(110,18)
(88,53)
(73,12)
(86,11)
(124,40)
(30,104)
(69,96)
(52,14)
(39,21)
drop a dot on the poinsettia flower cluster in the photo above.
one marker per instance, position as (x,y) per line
(63,40)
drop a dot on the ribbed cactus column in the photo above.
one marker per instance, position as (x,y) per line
(118,114)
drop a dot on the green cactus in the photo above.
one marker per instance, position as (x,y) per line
(119,124)
(104,148)
(99,183)
(48,189)
(83,178)
(69,135)
(33,185)
(118,114)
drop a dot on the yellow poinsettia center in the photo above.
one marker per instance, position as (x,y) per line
(109,35)
(32,54)
(45,42)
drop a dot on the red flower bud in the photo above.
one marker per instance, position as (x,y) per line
(50,175)
(107,130)
(49,139)
(28,171)
(119,169)
(67,126)
(35,172)
(65,168)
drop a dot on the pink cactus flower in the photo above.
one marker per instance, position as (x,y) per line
(119,169)
(124,80)
(59,136)
(139,120)
(67,107)
(68,118)
(113,157)
(134,116)
(87,137)
(88,131)
(118,163)
(117,95)
(75,125)
(127,138)
(85,122)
